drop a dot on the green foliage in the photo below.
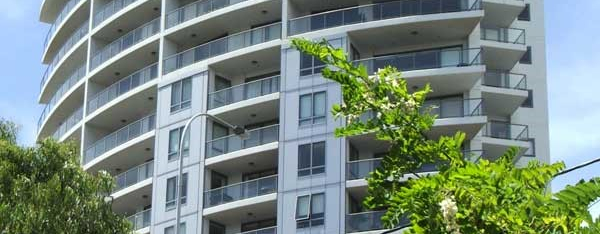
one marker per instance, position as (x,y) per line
(465,196)
(45,190)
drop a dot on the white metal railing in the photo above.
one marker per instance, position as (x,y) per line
(195,10)
(141,219)
(120,137)
(123,86)
(110,9)
(69,123)
(60,18)
(243,92)
(241,191)
(132,38)
(231,143)
(134,176)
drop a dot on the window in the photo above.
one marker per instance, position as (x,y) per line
(174,139)
(311,159)
(525,14)
(309,65)
(531,151)
(171,229)
(528,103)
(172,191)
(312,108)
(216,228)
(526,59)
(181,95)
(310,210)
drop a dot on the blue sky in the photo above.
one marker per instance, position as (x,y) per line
(572,49)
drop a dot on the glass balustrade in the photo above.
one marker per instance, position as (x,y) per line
(73,39)
(141,219)
(378,11)
(60,18)
(366,221)
(120,137)
(243,92)
(269,230)
(60,92)
(196,9)
(232,143)
(506,80)
(360,169)
(504,35)
(240,191)
(431,59)
(130,39)
(221,46)
(123,86)
(69,123)
(110,9)
(508,131)
(454,108)
(134,176)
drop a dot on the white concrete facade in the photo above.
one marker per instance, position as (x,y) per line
(124,75)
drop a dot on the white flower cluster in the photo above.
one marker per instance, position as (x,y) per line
(449,210)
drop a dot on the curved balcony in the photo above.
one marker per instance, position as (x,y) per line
(240,191)
(243,92)
(123,86)
(195,10)
(120,137)
(134,176)
(504,92)
(60,18)
(60,93)
(130,39)
(110,9)
(222,46)
(376,12)
(141,220)
(233,143)
(432,59)
(66,48)
(69,123)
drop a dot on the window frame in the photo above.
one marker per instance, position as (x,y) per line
(312,169)
(171,203)
(178,103)
(173,155)
(312,119)
(311,220)
(315,65)
(171,229)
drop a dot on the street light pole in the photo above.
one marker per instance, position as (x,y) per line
(237,130)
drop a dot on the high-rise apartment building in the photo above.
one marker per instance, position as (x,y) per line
(124,76)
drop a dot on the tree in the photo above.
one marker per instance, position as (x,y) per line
(465,196)
(43,189)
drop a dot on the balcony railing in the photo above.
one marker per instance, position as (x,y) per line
(69,123)
(119,137)
(232,143)
(360,169)
(60,92)
(473,155)
(504,35)
(123,86)
(110,9)
(132,38)
(378,11)
(134,176)
(243,92)
(241,191)
(197,9)
(431,59)
(60,18)
(505,80)
(454,108)
(508,131)
(75,37)
(221,46)
(366,221)
(141,219)
(269,230)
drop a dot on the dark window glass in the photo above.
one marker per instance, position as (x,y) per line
(526,59)
(528,103)
(525,14)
